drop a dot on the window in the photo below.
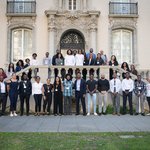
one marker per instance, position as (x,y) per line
(21,44)
(122,45)
(72,4)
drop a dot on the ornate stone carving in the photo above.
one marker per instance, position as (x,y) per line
(61,21)
(121,22)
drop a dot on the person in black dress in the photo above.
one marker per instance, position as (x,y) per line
(112,62)
(25,90)
(47,93)
(58,97)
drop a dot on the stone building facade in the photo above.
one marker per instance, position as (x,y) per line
(119,27)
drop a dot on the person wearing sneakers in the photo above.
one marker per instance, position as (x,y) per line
(139,90)
(12,88)
(37,93)
(148,95)
(115,88)
(91,89)
(103,87)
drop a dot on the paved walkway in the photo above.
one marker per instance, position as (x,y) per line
(74,123)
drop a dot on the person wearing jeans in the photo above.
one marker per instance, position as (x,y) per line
(103,87)
(68,85)
(91,89)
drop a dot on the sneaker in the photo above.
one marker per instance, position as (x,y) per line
(11,114)
(88,114)
(15,114)
(95,114)
(148,114)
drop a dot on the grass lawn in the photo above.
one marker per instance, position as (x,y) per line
(74,141)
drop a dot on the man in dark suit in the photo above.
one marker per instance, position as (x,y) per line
(3,95)
(25,89)
(80,91)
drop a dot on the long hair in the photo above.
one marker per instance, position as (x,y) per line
(13,68)
(22,63)
(55,81)
(126,65)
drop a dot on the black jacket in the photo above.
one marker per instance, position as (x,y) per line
(28,89)
(82,86)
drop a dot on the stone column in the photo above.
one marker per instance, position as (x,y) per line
(93,39)
(51,34)
(60,4)
(84,5)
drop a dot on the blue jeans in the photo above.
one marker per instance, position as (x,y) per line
(93,97)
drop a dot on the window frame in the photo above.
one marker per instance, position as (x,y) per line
(121,44)
(22,42)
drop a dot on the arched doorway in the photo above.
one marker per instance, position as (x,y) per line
(72,39)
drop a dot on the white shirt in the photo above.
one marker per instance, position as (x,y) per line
(69,60)
(47,61)
(37,88)
(78,85)
(79,58)
(117,85)
(127,85)
(148,90)
(34,62)
(3,87)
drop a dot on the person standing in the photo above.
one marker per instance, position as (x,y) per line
(13,88)
(47,93)
(28,72)
(79,58)
(58,97)
(11,69)
(80,91)
(91,89)
(125,67)
(70,60)
(37,93)
(112,62)
(127,88)
(67,85)
(104,57)
(91,54)
(34,62)
(47,62)
(25,90)
(115,88)
(148,94)
(19,65)
(139,90)
(3,95)
(103,87)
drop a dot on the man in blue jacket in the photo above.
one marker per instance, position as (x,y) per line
(80,91)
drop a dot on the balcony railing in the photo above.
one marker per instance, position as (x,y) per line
(117,8)
(21,7)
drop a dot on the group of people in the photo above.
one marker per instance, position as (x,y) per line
(61,93)
(63,86)
(72,58)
